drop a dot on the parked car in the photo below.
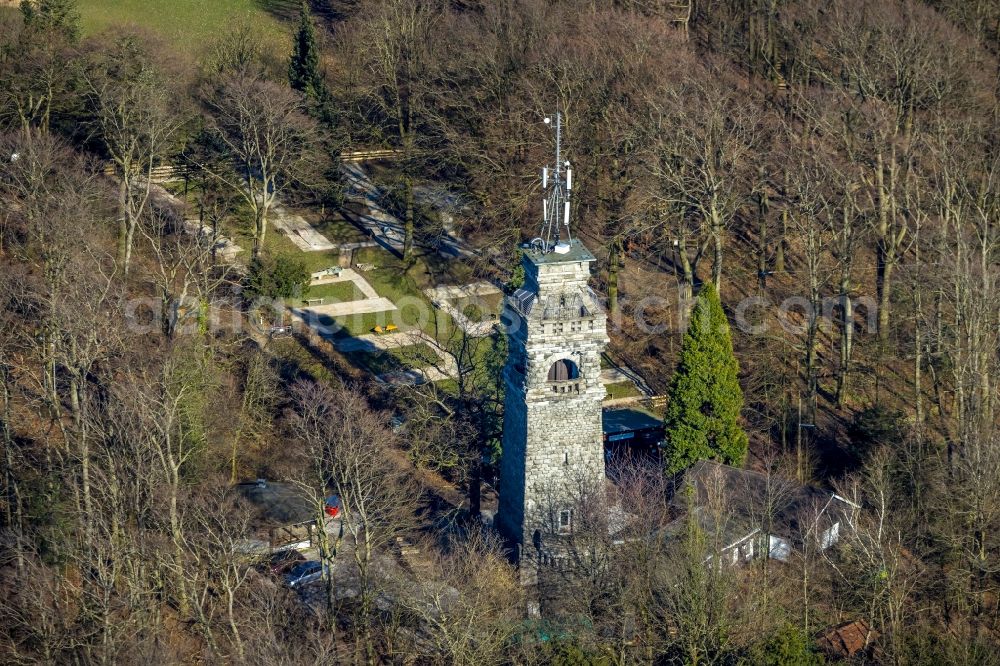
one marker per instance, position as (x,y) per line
(304,573)
(281,562)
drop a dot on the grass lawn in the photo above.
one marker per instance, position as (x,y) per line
(404,286)
(407,319)
(278,244)
(337,292)
(621,390)
(390,278)
(392,360)
(339,230)
(336,229)
(473,311)
(355,325)
(192,25)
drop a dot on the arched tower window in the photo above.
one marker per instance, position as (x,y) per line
(562,370)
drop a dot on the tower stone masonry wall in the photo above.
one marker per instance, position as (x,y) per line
(553,447)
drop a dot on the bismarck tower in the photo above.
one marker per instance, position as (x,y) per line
(553,447)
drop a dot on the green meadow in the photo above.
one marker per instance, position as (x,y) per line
(191,25)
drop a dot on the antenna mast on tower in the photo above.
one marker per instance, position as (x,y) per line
(557,182)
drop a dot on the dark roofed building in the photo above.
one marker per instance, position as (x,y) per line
(631,431)
(277,503)
(284,513)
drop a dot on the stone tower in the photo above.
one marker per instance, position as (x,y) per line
(553,446)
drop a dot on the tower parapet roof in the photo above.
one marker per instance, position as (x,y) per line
(575,253)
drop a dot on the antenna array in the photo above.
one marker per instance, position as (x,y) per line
(557,183)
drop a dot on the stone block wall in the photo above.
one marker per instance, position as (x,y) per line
(555,277)
(553,445)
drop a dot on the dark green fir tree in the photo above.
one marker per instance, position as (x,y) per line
(52,16)
(303,69)
(702,417)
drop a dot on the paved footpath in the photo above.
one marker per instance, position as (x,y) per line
(364,306)
(349,275)
(371,302)
(303,234)
(460,291)
(224,247)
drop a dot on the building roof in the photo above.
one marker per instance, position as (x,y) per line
(753,499)
(723,530)
(278,503)
(845,640)
(577,252)
(629,419)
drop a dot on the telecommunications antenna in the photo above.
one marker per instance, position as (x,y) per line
(557,182)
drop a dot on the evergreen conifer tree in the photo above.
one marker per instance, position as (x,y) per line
(702,417)
(59,16)
(303,69)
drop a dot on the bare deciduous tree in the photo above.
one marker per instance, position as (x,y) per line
(36,72)
(395,47)
(465,607)
(269,142)
(875,564)
(703,166)
(130,100)
(345,445)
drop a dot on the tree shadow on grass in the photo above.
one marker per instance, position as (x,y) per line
(332,11)
(298,358)
(285,10)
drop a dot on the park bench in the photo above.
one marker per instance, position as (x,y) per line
(314,301)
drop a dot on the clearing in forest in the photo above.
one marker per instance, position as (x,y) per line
(190,25)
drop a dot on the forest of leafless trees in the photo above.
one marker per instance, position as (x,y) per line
(836,161)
